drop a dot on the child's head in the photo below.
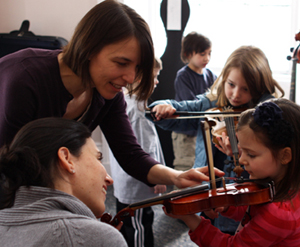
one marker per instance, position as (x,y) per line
(195,49)
(254,68)
(269,138)
(156,70)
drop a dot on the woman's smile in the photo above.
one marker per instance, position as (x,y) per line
(116,86)
(115,66)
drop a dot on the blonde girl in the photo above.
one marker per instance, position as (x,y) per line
(245,80)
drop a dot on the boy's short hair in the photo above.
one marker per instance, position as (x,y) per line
(157,63)
(193,42)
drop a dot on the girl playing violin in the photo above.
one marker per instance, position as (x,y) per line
(269,140)
(245,80)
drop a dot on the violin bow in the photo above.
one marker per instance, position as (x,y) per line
(208,147)
(195,114)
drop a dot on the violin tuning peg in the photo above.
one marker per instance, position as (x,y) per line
(238,170)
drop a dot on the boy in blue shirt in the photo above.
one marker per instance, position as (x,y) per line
(192,79)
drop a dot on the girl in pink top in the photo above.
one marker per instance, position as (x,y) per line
(269,141)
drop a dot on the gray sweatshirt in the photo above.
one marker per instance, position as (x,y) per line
(45,217)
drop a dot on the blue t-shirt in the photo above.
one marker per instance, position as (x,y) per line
(189,83)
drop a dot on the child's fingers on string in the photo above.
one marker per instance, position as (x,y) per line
(219,147)
(224,144)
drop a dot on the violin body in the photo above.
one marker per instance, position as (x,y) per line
(163,199)
(236,194)
(198,199)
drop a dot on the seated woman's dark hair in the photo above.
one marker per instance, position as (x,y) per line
(31,159)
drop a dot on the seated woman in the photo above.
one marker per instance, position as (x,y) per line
(55,188)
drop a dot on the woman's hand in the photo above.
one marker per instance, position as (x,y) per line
(160,174)
(195,176)
(163,111)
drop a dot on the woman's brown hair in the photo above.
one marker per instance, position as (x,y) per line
(109,22)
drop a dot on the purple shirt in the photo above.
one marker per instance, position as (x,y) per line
(31,88)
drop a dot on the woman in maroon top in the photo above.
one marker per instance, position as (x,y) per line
(111,46)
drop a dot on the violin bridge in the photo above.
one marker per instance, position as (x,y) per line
(224,184)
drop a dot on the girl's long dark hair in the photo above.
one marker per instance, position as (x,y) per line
(290,184)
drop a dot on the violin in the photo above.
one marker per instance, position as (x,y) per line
(242,192)
(296,59)
(165,200)
(215,116)
(201,198)
(225,121)
(228,126)
(220,120)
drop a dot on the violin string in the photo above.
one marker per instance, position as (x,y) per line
(230,127)
(224,178)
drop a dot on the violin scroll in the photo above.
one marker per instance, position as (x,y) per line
(295,59)
(106,218)
(120,216)
(297,36)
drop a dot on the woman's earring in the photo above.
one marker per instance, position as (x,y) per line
(73,171)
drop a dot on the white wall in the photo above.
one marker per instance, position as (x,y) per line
(47,17)
(60,17)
